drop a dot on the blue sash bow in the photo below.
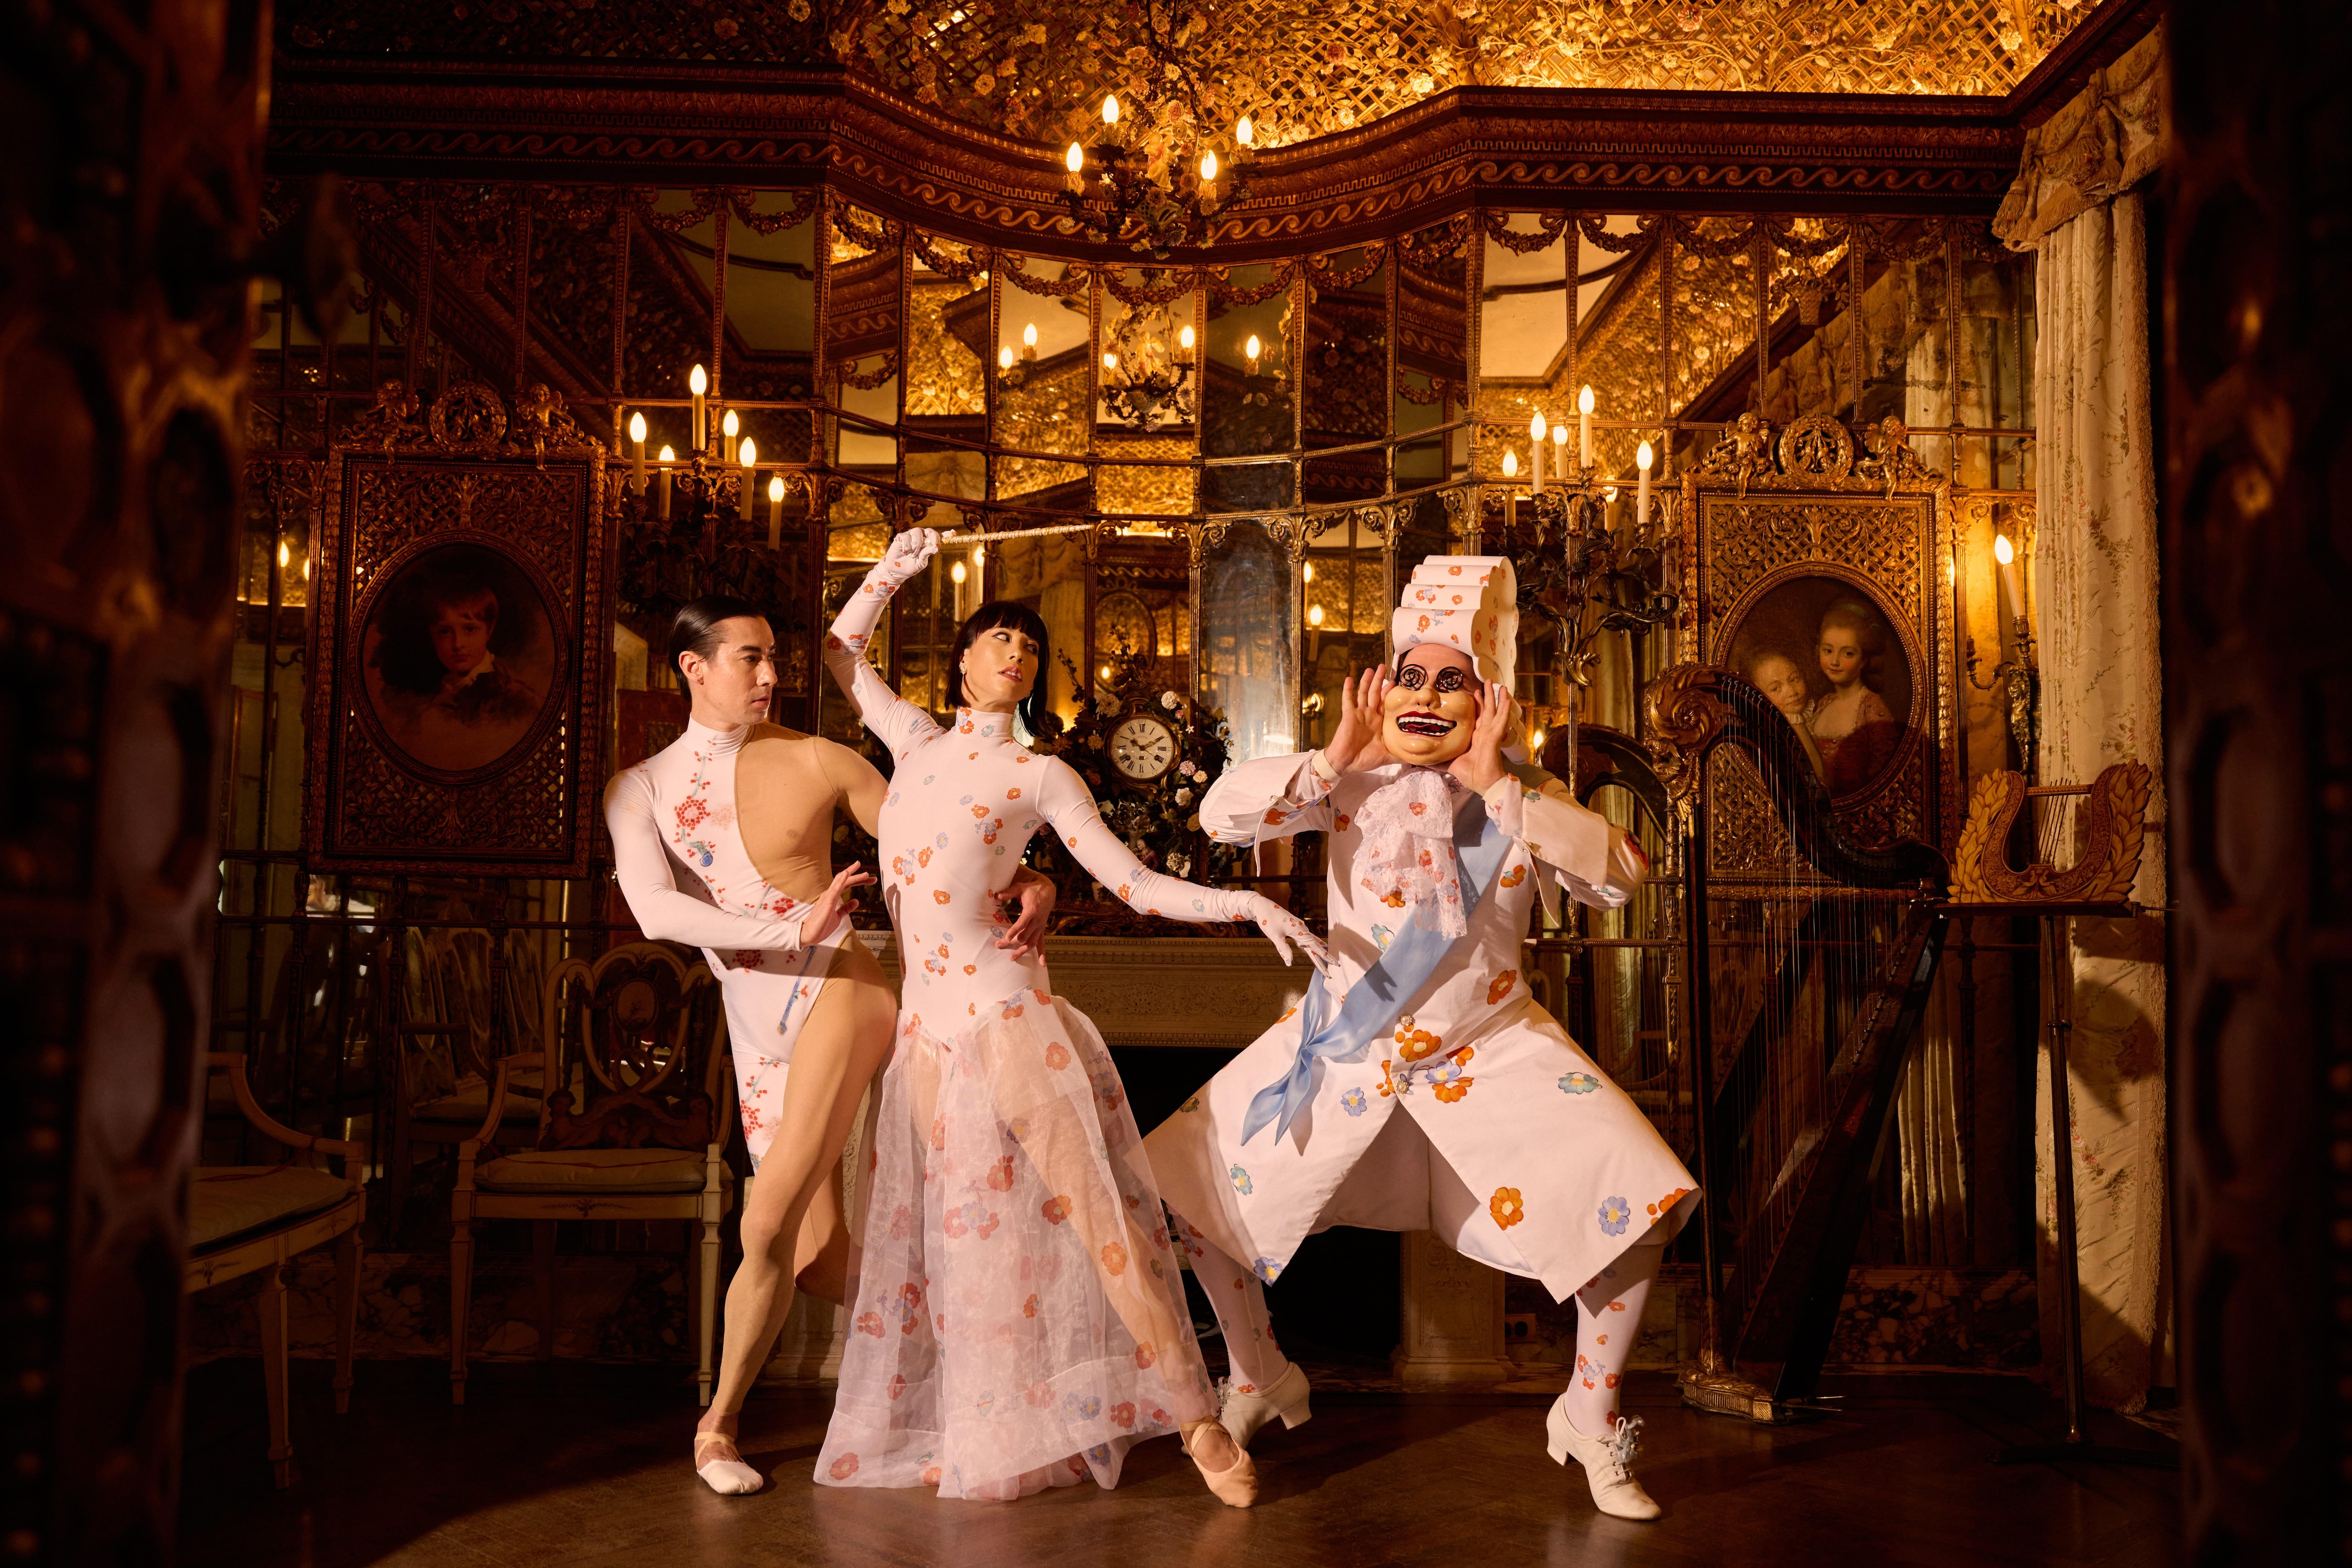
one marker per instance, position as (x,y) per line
(1372,1005)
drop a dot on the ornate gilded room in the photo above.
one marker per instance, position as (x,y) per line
(1538,654)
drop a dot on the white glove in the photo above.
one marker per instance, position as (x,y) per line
(1285,931)
(909,553)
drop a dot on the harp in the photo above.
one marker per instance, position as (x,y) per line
(1812,917)
(1806,989)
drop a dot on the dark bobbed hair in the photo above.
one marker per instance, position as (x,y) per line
(1035,717)
(695,628)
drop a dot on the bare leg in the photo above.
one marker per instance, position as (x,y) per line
(825,1258)
(839,1049)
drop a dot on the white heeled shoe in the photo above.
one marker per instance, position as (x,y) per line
(1243,1413)
(1608,1462)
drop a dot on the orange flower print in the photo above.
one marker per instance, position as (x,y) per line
(979,811)
(931,1476)
(938,895)
(1341,820)
(1500,986)
(1056,1210)
(1515,876)
(1609,1379)
(1414,1044)
(1029,1308)
(1393,899)
(845,1466)
(1039,1394)
(1287,1014)
(1388,1083)
(1417,807)
(971,968)
(999,1174)
(1012,794)
(1506,1207)
(1042,997)
(1447,1093)
(1274,817)
(940,1133)
(1113,1260)
(1058,1056)
(1123,1415)
(1127,889)
(923,857)
(870,1323)
(1014,1010)
(1665,1204)
(1144,1357)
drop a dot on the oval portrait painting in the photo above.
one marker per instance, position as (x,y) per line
(1823,651)
(460,658)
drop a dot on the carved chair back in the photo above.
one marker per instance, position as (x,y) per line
(637,1037)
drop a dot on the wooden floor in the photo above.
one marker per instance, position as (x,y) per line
(586,1466)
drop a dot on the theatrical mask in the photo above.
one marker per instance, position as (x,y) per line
(1431,712)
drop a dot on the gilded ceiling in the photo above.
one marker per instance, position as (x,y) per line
(1302,68)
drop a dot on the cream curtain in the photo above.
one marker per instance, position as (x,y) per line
(2095,589)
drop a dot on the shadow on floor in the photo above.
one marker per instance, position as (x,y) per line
(574,1464)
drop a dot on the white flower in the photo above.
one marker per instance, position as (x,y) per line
(1095,741)
(1168,699)
(1183,797)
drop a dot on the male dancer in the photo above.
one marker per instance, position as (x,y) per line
(1425,1088)
(746,808)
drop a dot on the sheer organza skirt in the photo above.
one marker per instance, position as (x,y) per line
(1019,1321)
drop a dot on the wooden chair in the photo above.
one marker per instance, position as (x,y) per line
(447,1042)
(641,1032)
(244,1219)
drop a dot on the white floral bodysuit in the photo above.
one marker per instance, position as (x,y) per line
(1019,1319)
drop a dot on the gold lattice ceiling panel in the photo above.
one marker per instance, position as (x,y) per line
(1307,68)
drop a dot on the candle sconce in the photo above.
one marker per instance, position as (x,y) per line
(2019,673)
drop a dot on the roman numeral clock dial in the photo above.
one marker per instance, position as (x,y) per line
(1142,748)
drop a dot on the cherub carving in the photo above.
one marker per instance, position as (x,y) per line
(1891,460)
(1744,452)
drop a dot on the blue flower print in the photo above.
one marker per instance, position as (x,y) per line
(1616,1213)
(893,800)
(1267,1269)
(699,852)
(929,777)
(1382,935)
(986,1402)
(1099,1453)
(1240,1178)
(965,801)
(1353,1102)
(1578,1083)
(940,842)
(1085,1409)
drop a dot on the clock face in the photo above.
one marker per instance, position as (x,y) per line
(1142,748)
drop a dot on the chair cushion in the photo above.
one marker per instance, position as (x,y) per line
(609,1169)
(471,1103)
(228,1202)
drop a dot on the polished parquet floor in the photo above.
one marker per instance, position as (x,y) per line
(586,1466)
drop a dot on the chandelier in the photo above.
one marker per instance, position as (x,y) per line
(1148,363)
(1129,192)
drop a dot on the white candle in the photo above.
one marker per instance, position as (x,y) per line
(2005,553)
(751,454)
(775,510)
(1535,451)
(637,453)
(1642,458)
(667,457)
(1560,451)
(1584,428)
(698,383)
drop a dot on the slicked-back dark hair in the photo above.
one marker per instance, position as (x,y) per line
(695,628)
(1036,716)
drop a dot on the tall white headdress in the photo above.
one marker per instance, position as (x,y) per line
(1469,602)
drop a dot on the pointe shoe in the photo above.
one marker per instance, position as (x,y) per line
(1608,1462)
(1235,1486)
(1243,1413)
(721,1465)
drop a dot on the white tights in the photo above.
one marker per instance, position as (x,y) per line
(1607,1321)
(1239,1301)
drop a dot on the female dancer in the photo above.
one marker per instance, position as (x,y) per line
(1020,1320)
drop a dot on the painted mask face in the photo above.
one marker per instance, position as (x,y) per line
(1432,710)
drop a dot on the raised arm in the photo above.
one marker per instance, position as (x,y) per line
(1066,803)
(1596,861)
(1267,798)
(641,863)
(901,725)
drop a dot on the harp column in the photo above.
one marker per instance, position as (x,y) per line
(1451,1325)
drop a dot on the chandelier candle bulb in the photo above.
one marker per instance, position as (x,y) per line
(1004,357)
(1184,346)
(1642,458)
(1074,161)
(1029,341)
(2005,553)
(1534,452)
(667,457)
(698,383)
(1110,111)
(1560,450)
(1584,428)
(751,455)
(776,510)
(637,453)
(731,427)
(1244,138)
(1250,353)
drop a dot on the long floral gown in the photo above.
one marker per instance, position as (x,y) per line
(1015,1241)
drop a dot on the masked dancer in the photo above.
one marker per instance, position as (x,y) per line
(1422,1086)
(724,839)
(1020,1320)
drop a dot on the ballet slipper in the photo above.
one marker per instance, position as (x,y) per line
(1235,1486)
(1608,1462)
(1286,1396)
(721,1467)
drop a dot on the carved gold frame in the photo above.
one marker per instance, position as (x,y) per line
(1760,509)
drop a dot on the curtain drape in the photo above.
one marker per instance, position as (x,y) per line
(2096,580)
